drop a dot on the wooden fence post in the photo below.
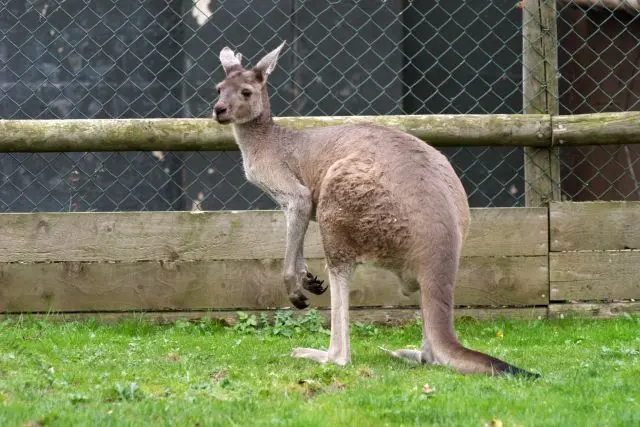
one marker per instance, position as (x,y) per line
(540,95)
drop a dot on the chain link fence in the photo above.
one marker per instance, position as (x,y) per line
(66,59)
(599,71)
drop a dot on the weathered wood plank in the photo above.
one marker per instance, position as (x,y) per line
(507,232)
(383,316)
(205,134)
(594,275)
(450,130)
(440,130)
(597,129)
(578,226)
(541,179)
(540,95)
(143,236)
(594,310)
(74,286)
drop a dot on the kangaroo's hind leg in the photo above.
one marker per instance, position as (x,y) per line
(408,286)
(341,255)
(339,346)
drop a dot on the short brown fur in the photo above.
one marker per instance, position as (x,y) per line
(379,195)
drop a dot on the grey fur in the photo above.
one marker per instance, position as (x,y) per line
(379,195)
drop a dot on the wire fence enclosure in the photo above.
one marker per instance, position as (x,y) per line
(159,59)
(501,88)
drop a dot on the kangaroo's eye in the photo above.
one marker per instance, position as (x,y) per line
(246,93)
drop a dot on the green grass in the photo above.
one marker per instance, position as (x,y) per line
(187,374)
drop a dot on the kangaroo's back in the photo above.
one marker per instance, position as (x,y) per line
(418,178)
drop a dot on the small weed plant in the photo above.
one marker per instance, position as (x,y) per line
(284,323)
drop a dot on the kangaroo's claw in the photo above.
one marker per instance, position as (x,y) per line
(313,285)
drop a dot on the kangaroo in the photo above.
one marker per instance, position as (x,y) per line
(379,195)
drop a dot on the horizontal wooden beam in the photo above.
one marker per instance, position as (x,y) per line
(592,226)
(207,135)
(595,276)
(451,130)
(114,135)
(597,129)
(531,130)
(441,130)
(221,235)
(248,284)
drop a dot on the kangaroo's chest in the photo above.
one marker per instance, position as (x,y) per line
(252,169)
(257,174)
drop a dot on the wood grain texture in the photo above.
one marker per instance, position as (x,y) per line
(221,235)
(249,284)
(383,316)
(453,130)
(540,95)
(142,236)
(594,275)
(507,232)
(576,226)
(542,176)
(174,134)
(597,129)
(180,134)
(440,130)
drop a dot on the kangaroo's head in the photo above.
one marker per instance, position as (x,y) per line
(243,93)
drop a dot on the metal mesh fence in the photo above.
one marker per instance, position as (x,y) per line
(599,71)
(69,59)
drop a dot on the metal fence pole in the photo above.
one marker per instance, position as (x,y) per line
(540,95)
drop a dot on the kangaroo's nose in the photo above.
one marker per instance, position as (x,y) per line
(220,109)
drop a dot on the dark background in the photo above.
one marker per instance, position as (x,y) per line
(129,59)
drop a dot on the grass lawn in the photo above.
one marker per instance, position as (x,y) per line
(188,374)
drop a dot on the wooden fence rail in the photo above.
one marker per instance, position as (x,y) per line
(517,262)
(226,260)
(526,130)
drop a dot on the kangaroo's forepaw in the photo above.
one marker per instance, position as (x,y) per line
(313,285)
(298,299)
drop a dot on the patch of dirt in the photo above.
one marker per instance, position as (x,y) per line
(218,376)
(365,373)
(311,388)
(173,357)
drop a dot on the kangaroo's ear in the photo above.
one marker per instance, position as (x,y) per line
(267,64)
(229,60)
